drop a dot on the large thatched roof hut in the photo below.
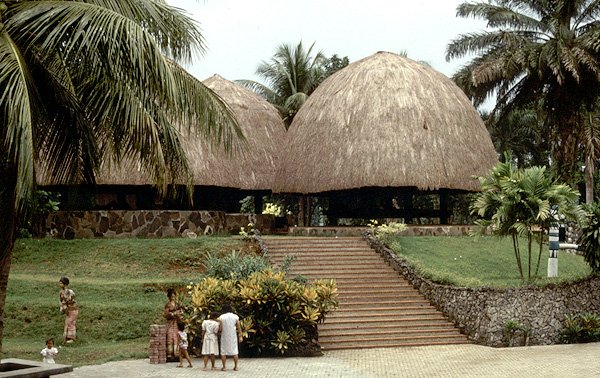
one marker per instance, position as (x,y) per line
(221,179)
(385,121)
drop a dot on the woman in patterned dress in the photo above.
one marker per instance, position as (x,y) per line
(68,306)
(172,313)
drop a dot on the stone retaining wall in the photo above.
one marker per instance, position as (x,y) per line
(481,313)
(412,230)
(149,223)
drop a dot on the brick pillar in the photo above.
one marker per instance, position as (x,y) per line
(158,344)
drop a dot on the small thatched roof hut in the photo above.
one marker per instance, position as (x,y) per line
(249,169)
(385,121)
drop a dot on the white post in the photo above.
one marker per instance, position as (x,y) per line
(553,246)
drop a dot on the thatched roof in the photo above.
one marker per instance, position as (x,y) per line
(253,168)
(385,121)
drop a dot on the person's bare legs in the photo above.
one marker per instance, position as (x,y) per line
(205,357)
(235,362)
(223,361)
(212,361)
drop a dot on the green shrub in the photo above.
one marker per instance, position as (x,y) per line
(581,328)
(589,241)
(512,331)
(234,265)
(277,315)
(386,232)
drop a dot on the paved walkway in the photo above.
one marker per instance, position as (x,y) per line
(577,360)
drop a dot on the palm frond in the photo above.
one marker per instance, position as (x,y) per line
(15,108)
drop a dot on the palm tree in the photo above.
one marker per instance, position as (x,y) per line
(542,49)
(520,133)
(523,203)
(89,81)
(291,75)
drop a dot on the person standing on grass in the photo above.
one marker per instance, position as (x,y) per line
(68,306)
(49,352)
(231,334)
(210,339)
(182,342)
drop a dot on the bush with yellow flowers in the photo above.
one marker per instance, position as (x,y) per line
(278,316)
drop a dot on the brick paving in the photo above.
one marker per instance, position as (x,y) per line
(577,360)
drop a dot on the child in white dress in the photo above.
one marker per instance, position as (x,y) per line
(49,352)
(210,339)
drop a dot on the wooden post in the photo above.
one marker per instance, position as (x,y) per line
(443,193)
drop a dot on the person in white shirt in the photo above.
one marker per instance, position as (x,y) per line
(49,352)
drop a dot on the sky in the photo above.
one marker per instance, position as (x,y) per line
(240,34)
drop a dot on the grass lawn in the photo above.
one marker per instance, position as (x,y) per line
(121,283)
(120,286)
(481,261)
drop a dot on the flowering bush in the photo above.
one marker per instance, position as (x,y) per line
(385,231)
(277,315)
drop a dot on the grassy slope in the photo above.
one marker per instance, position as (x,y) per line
(120,291)
(481,261)
(120,285)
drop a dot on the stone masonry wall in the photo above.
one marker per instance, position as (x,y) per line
(149,223)
(481,313)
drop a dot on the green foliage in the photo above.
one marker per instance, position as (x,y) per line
(509,60)
(523,203)
(40,205)
(581,328)
(385,232)
(512,330)
(589,241)
(234,266)
(276,313)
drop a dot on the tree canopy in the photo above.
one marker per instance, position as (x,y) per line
(543,50)
(86,82)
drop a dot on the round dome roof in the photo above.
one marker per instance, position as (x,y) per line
(385,121)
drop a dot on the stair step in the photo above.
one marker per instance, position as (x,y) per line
(405,324)
(385,316)
(349,304)
(395,343)
(378,307)
(360,334)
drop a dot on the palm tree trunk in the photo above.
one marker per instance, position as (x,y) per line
(515,239)
(589,179)
(529,241)
(537,268)
(8,225)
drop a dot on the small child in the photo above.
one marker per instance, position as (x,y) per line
(210,340)
(49,352)
(183,345)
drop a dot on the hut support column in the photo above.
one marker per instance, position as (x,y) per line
(304,211)
(408,206)
(443,193)
(258,204)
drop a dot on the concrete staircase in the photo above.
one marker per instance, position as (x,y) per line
(378,307)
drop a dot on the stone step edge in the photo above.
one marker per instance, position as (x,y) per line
(328,347)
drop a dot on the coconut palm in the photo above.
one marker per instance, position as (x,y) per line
(291,75)
(523,203)
(543,49)
(89,81)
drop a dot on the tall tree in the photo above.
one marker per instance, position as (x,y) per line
(291,75)
(87,81)
(542,49)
